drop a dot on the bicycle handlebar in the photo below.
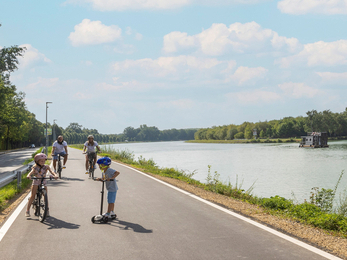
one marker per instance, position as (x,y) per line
(51,177)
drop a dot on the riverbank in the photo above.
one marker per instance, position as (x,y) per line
(247,141)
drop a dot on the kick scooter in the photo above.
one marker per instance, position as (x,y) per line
(102,218)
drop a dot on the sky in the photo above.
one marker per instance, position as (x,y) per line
(111,64)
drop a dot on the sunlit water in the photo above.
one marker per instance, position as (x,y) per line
(276,169)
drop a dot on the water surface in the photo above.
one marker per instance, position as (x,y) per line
(277,169)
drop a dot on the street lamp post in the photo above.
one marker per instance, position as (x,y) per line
(46,128)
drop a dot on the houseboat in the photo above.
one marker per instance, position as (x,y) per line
(314,140)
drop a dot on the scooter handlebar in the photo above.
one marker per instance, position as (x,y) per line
(99,179)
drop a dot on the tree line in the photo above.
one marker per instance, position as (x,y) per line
(335,124)
(76,134)
(18,126)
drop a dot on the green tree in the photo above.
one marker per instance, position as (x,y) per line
(74,128)
(231,133)
(239,135)
(130,132)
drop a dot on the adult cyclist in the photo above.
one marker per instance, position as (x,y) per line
(90,146)
(59,147)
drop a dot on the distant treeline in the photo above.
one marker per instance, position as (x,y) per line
(76,134)
(335,124)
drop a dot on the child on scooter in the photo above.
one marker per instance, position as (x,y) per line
(39,170)
(111,186)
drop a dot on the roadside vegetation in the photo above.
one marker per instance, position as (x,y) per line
(317,211)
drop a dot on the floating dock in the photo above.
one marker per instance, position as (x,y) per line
(314,140)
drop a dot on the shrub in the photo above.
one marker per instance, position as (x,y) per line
(277,203)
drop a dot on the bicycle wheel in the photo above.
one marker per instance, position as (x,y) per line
(35,205)
(91,172)
(59,169)
(92,167)
(43,208)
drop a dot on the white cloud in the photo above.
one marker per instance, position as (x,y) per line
(207,70)
(164,66)
(178,104)
(255,96)
(319,54)
(333,76)
(298,90)
(220,39)
(83,96)
(94,32)
(245,74)
(87,63)
(32,57)
(124,48)
(130,31)
(42,83)
(328,7)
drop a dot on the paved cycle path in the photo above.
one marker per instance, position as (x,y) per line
(154,222)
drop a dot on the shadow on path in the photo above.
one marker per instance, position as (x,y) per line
(124,225)
(54,223)
(71,179)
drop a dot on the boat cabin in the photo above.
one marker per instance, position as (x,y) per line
(314,140)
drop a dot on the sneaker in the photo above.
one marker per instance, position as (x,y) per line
(87,172)
(27,214)
(113,215)
(64,167)
(106,214)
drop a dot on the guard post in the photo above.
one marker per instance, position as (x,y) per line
(19,179)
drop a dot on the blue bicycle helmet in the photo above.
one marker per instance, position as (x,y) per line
(104,161)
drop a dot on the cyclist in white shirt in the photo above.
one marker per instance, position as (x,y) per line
(59,147)
(90,146)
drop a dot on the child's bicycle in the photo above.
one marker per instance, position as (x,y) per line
(91,156)
(40,203)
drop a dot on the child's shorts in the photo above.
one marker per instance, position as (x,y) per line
(111,196)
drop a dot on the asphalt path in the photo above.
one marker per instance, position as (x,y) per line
(13,160)
(154,222)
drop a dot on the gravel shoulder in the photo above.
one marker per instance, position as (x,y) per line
(314,236)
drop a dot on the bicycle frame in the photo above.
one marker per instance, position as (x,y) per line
(40,203)
(60,168)
(91,156)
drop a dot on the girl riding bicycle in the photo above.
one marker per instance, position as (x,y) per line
(39,170)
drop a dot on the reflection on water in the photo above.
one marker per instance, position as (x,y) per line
(276,169)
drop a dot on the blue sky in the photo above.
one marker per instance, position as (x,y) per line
(110,64)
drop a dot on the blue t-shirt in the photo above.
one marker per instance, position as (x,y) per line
(110,185)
